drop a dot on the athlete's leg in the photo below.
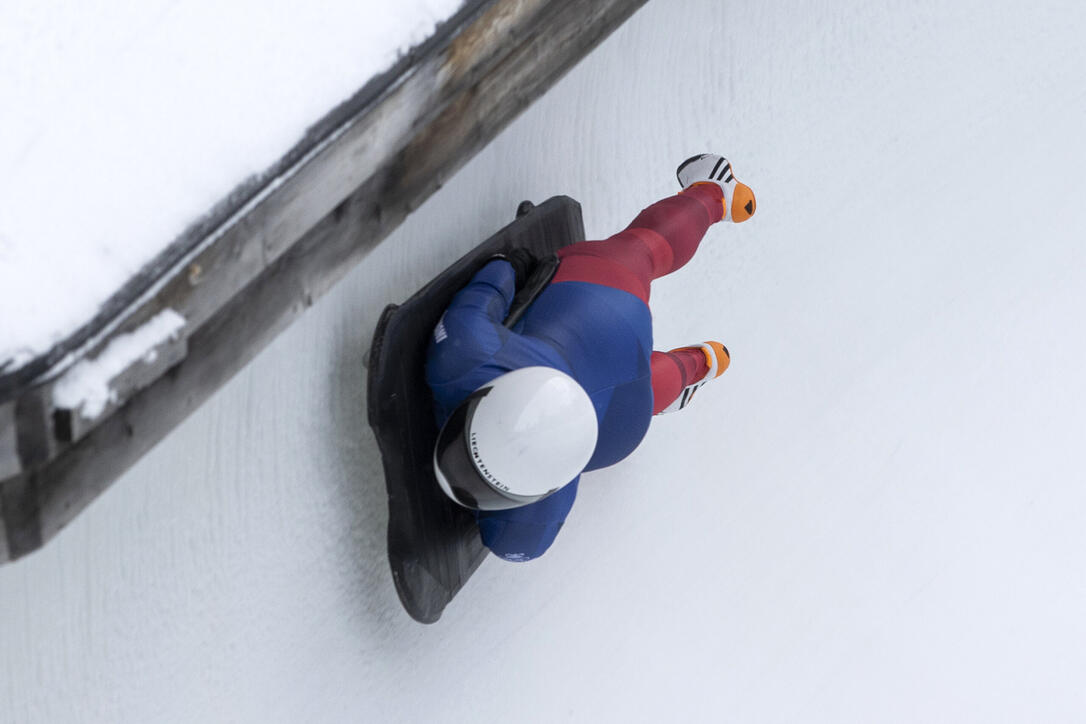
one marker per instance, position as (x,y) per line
(660,240)
(672,372)
(678,374)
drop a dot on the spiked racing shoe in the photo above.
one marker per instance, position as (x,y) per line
(739,203)
(718,358)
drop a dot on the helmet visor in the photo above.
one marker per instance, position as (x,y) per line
(457,469)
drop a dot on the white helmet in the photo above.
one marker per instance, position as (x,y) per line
(516,440)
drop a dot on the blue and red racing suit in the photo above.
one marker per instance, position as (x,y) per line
(593,323)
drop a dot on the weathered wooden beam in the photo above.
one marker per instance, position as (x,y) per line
(248,278)
(71,424)
(9,450)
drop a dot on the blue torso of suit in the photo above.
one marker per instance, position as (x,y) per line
(600,336)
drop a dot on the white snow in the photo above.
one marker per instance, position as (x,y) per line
(123,122)
(85,387)
(875,515)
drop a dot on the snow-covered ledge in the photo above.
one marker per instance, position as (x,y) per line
(234,281)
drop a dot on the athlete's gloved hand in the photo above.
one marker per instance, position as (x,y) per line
(523,263)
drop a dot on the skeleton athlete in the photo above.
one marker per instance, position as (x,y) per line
(573,385)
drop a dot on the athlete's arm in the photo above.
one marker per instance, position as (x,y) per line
(469,334)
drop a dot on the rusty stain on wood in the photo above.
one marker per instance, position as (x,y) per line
(497,22)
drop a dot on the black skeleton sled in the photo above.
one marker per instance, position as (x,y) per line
(434,544)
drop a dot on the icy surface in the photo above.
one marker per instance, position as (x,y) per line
(874,516)
(123,122)
(86,386)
